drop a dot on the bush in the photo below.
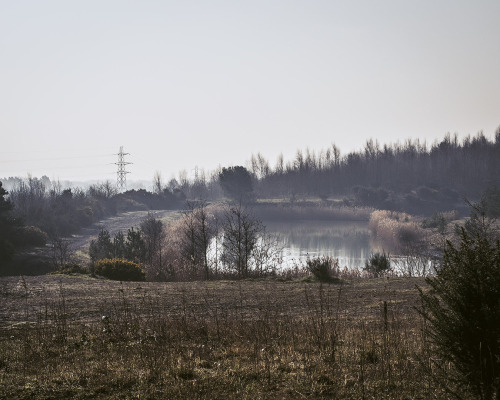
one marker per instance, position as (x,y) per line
(491,201)
(378,264)
(439,221)
(462,313)
(119,270)
(102,247)
(72,268)
(436,221)
(29,236)
(372,197)
(425,193)
(395,231)
(324,269)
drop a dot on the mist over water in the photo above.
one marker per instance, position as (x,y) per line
(349,242)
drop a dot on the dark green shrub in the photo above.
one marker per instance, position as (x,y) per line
(426,193)
(85,216)
(378,264)
(236,183)
(437,221)
(29,236)
(119,270)
(72,268)
(102,247)
(462,313)
(368,196)
(491,201)
(324,269)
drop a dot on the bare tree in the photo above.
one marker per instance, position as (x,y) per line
(268,254)
(60,252)
(157,183)
(197,234)
(240,238)
(104,190)
(280,165)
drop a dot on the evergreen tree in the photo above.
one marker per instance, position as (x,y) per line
(236,182)
(135,247)
(6,225)
(102,247)
(462,310)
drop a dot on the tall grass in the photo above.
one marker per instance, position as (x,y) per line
(396,231)
(218,340)
(277,211)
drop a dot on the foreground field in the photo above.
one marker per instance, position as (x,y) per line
(77,337)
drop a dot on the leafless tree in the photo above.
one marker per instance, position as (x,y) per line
(60,252)
(199,229)
(104,190)
(157,183)
(240,239)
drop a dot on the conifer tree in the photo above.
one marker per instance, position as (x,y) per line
(462,311)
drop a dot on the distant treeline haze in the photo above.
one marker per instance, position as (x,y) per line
(410,176)
(398,176)
(467,167)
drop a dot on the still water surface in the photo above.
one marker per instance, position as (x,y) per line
(349,242)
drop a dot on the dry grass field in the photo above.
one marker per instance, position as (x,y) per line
(64,337)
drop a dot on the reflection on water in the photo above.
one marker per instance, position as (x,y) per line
(349,242)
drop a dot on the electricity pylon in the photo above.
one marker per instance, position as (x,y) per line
(121,174)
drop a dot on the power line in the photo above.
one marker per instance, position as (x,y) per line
(11,161)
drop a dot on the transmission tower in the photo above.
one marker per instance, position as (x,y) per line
(121,174)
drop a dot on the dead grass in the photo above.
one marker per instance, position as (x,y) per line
(394,231)
(76,337)
(311,211)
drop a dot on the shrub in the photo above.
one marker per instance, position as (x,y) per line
(72,268)
(491,201)
(102,247)
(378,264)
(29,236)
(396,231)
(462,313)
(324,269)
(119,270)
(437,221)
(426,193)
(373,197)
(85,216)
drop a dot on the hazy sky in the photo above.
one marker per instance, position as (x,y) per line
(186,83)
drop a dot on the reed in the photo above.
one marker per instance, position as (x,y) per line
(311,211)
(396,231)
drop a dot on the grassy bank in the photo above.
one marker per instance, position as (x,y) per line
(269,211)
(77,337)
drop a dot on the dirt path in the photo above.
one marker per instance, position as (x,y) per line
(121,222)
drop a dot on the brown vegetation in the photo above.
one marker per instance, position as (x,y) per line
(311,211)
(395,231)
(77,337)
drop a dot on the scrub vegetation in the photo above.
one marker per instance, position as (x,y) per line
(197,307)
(80,337)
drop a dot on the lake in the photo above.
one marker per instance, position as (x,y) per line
(349,242)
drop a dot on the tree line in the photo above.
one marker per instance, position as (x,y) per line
(411,176)
(36,212)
